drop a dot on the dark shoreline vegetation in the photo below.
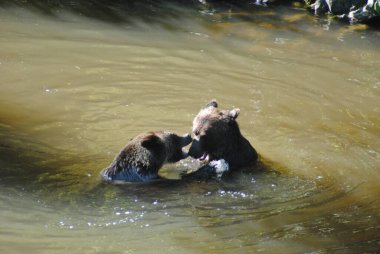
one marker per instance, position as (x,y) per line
(120,11)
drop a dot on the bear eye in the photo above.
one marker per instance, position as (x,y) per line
(197,133)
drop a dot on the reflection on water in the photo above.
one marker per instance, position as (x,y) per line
(75,90)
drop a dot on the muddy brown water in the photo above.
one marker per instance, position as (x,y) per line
(75,89)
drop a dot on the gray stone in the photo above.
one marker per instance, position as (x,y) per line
(353,10)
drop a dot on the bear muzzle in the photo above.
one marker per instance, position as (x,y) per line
(186,140)
(196,151)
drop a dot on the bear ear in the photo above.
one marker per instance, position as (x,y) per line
(151,142)
(212,103)
(234,113)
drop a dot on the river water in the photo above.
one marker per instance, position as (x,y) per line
(76,87)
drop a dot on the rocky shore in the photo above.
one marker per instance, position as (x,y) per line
(352,10)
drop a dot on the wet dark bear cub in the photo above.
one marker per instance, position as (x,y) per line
(141,159)
(217,141)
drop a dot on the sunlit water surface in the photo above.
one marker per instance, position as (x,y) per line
(74,90)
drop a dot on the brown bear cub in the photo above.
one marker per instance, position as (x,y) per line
(218,142)
(143,156)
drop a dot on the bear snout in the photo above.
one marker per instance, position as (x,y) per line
(186,139)
(195,150)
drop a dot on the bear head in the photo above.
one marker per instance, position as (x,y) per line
(167,144)
(216,135)
(212,129)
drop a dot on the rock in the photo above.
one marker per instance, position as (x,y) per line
(368,12)
(353,10)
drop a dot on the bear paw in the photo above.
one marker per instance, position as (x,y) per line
(213,170)
(221,166)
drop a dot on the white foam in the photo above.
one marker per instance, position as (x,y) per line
(220,166)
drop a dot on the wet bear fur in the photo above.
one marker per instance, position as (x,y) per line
(141,159)
(217,140)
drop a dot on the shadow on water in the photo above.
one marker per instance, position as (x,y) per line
(111,11)
(166,13)
(161,11)
(32,166)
